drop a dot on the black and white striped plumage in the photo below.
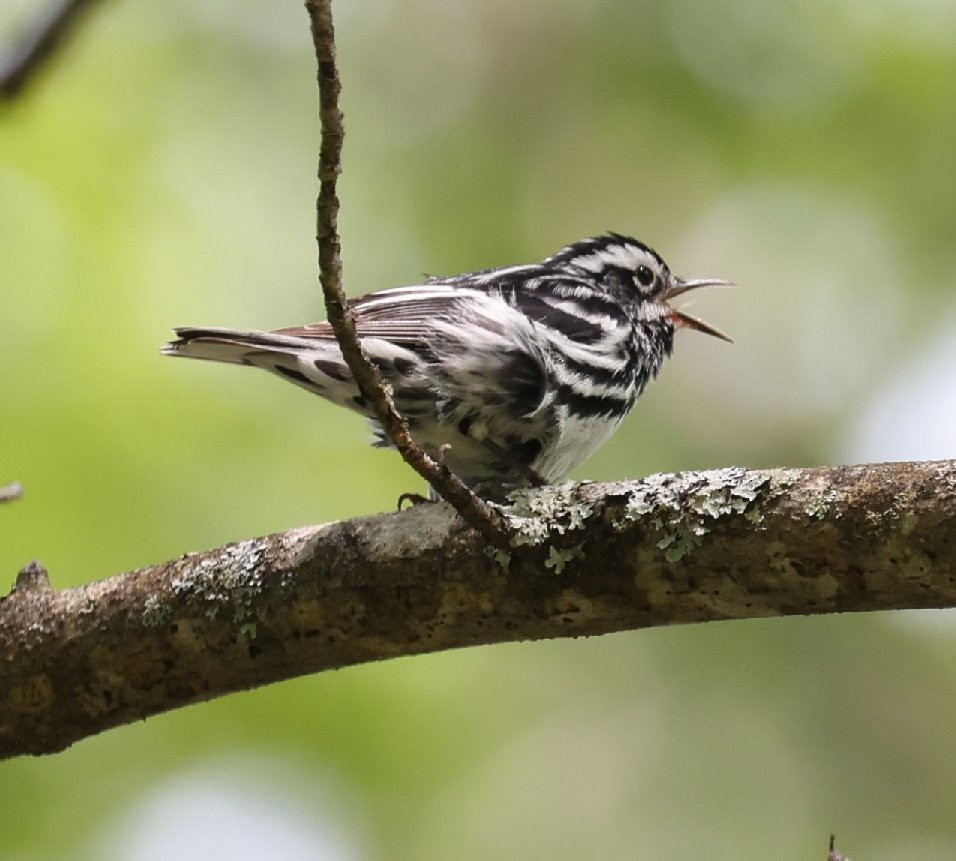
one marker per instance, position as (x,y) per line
(521,371)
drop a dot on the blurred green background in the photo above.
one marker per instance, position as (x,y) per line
(163,173)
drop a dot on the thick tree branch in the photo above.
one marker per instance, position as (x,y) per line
(692,547)
(372,385)
(39,46)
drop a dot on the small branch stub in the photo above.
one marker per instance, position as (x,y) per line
(833,855)
(32,579)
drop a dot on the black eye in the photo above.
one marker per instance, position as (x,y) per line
(644,276)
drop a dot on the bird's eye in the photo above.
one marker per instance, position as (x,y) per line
(644,276)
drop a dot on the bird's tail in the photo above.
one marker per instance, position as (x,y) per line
(232,346)
(315,364)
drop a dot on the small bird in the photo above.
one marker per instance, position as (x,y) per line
(513,376)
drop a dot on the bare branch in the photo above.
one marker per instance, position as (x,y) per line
(692,547)
(39,46)
(372,385)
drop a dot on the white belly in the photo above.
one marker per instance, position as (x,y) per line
(578,441)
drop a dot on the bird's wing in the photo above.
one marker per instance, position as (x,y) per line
(485,350)
(410,316)
(403,315)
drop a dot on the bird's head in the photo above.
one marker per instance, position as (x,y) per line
(617,259)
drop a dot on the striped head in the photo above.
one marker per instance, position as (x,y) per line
(636,275)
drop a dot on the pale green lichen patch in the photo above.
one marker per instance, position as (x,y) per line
(821,504)
(558,557)
(156,612)
(229,583)
(539,516)
(684,507)
(502,557)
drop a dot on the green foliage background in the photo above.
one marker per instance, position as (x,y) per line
(163,173)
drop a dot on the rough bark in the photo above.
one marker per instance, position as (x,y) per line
(588,559)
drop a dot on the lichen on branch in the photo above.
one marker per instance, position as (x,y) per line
(594,558)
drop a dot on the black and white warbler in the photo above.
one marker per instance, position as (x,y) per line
(512,375)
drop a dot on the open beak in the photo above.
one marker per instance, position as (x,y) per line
(682,320)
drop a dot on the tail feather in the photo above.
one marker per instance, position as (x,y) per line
(315,364)
(311,363)
(232,346)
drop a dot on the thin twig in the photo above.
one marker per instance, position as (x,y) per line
(11,491)
(475,511)
(833,855)
(39,45)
